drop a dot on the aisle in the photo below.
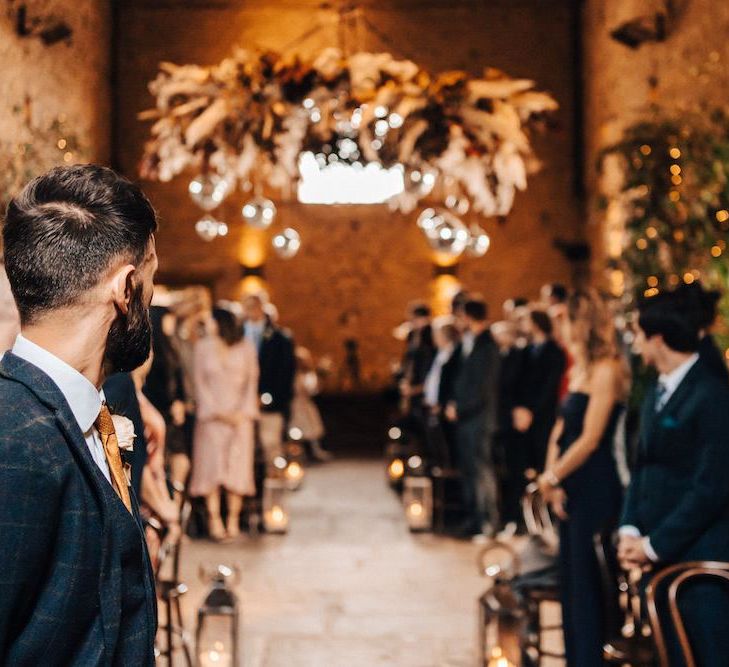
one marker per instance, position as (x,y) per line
(349,586)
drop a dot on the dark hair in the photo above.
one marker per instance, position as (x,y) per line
(419,309)
(668,315)
(702,303)
(228,328)
(64,230)
(459,301)
(520,301)
(558,292)
(476,310)
(542,321)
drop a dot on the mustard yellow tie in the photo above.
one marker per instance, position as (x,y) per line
(105,426)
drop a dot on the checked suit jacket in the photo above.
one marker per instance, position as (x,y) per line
(76,586)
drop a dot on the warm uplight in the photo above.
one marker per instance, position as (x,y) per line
(396,469)
(341,183)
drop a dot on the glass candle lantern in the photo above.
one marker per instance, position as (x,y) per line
(275,511)
(217,623)
(296,456)
(418,501)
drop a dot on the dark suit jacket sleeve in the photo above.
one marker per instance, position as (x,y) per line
(709,495)
(629,516)
(30,495)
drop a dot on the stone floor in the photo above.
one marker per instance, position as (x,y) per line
(348,586)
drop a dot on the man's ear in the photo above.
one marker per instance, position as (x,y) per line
(122,287)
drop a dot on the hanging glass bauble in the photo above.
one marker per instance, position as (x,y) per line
(209,190)
(421,181)
(259,212)
(444,231)
(479,242)
(459,205)
(287,243)
(208,228)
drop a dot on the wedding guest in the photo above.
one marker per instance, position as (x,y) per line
(581,479)
(9,319)
(80,258)
(417,360)
(226,381)
(277,368)
(510,446)
(536,404)
(438,390)
(473,409)
(677,504)
(305,415)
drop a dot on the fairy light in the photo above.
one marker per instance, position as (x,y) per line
(645,149)
(716,251)
(676,180)
(679,236)
(688,278)
(641,244)
(675,153)
(651,232)
(722,216)
(652,281)
(675,169)
(62,143)
(674,195)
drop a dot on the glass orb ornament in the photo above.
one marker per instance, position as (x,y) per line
(209,190)
(459,205)
(287,243)
(208,228)
(420,181)
(444,231)
(259,212)
(479,242)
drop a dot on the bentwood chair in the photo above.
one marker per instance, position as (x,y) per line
(170,589)
(523,581)
(676,577)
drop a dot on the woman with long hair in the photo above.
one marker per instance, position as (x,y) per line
(581,480)
(226,385)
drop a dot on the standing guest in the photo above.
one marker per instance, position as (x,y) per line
(76,587)
(277,368)
(536,405)
(677,505)
(418,358)
(510,446)
(581,479)
(226,380)
(473,410)
(438,392)
(9,319)
(305,415)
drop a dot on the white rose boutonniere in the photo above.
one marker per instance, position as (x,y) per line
(125,435)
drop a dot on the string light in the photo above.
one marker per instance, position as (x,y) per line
(62,143)
(716,251)
(651,232)
(679,235)
(676,180)
(653,291)
(688,278)
(722,216)
(675,153)
(675,169)
(652,281)
(641,244)
(674,195)
(645,149)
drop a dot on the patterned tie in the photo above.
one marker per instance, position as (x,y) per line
(105,426)
(661,391)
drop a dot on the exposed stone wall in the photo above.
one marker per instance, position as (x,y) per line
(360,265)
(41,81)
(688,71)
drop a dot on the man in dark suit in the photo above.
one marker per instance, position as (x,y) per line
(539,387)
(277,369)
(473,409)
(677,505)
(76,587)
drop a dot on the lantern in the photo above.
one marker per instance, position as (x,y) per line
(396,453)
(498,659)
(296,456)
(275,512)
(217,623)
(417,498)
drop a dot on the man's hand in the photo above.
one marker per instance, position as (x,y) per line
(522,419)
(631,553)
(451,413)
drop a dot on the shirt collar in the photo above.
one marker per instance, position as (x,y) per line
(82,397)
(671,380)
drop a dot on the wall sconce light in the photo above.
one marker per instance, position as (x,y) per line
(451,270)
(253,271)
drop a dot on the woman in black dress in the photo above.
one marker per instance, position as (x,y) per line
(581,478)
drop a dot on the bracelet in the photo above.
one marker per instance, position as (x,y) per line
(551,478)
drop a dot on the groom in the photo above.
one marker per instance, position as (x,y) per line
(677,505)
(75,582)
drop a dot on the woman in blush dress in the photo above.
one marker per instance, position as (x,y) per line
(305,415)
(581,479)
(226,384)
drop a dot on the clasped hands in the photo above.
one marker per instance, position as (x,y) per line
(632,554)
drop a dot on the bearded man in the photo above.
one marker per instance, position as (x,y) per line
(76,586)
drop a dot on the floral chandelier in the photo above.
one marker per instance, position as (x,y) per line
(249,120)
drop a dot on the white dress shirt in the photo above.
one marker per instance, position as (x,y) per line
(82,397)
(669,382)
(431,387)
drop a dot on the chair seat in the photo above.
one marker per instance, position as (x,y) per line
(635,651)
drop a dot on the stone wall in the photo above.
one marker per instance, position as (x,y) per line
(43,80)
(686,72)
(360,265)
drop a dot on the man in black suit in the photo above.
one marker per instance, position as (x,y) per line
(537,398)
(276,380)
(76,587)
(473,409)
(677,505)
